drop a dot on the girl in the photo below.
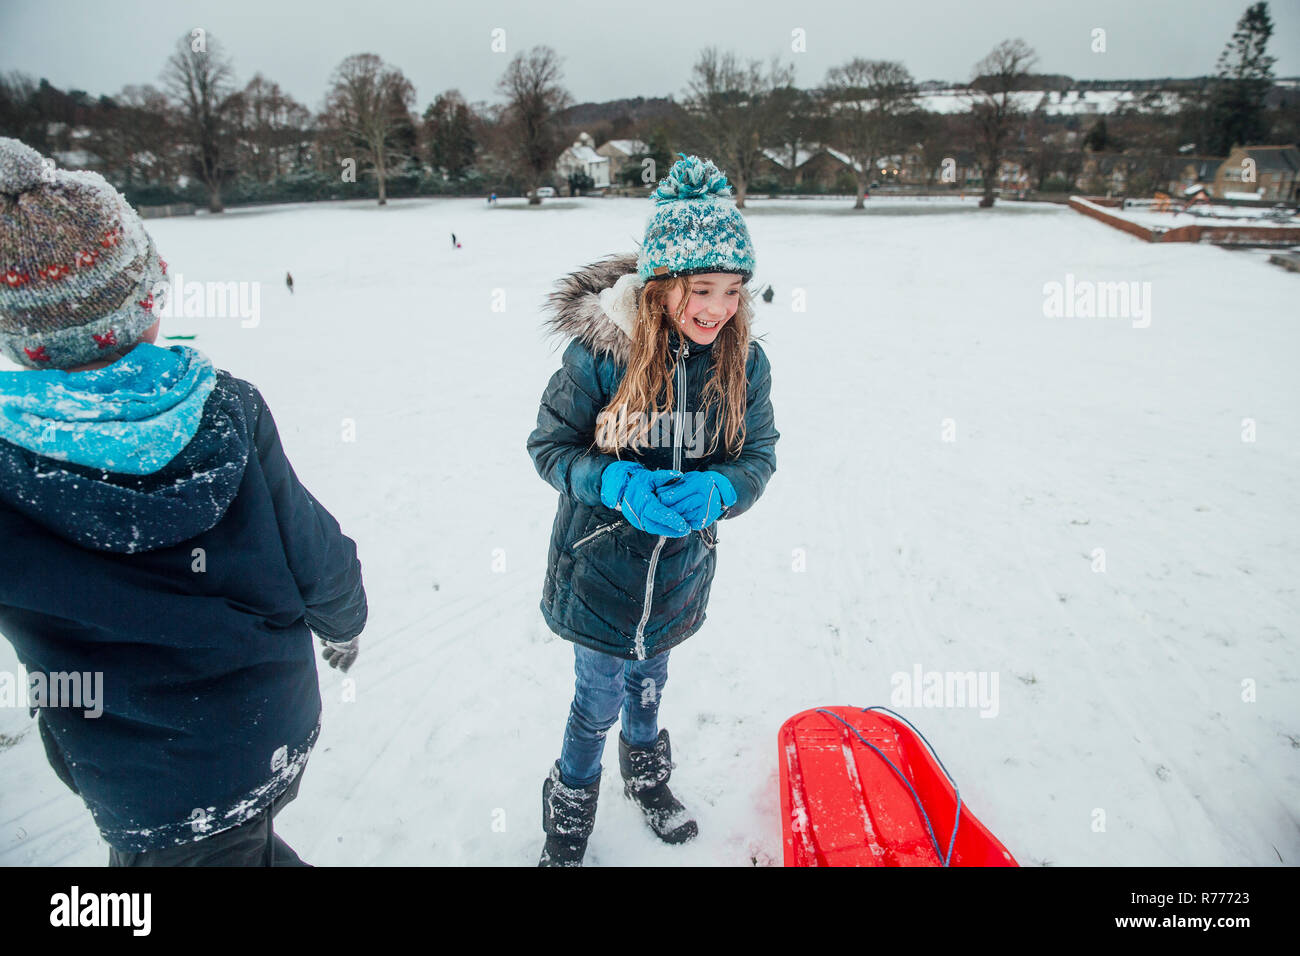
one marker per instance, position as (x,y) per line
(657,425)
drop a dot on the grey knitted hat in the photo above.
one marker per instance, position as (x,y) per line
(77,268)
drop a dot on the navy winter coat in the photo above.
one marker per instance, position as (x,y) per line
(210,694)
(610,586)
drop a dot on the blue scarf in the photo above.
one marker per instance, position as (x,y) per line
(131,417)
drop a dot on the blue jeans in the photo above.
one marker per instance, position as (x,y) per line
(605,686)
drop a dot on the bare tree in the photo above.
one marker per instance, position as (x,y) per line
(368,108)
(496,147)
(735,110)
(933,136)
(274,129)
(870,101)
(1043,153)
(135,136)
(200,78)
(531,85)
(996,113)
(798,121)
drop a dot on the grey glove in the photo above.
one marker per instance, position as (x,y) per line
(341,655)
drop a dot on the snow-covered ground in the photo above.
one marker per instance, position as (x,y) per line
(1124,732)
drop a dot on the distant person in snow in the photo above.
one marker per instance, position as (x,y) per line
(288,281)
(157,545)
(632,553)
(768,294)
(454,243)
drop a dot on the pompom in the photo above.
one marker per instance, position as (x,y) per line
(691,178)
(21,167)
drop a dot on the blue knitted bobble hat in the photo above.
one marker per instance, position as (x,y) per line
(695,226)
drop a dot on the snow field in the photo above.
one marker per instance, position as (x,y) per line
(1119,691)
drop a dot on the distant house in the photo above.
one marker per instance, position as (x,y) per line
(784,164)
(1012,175)
(1266,172)
(829,166)
(1192,171)
(769,168)
(1146,174)
(967,170)
(819,167)
(1106,173)
(621,153)
(582,157)
(824,167)
(905,167)
(911,165)
(889,169)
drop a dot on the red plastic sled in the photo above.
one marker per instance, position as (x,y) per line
(843,805)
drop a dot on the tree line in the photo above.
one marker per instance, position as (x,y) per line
(201,134)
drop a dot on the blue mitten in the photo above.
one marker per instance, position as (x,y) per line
(613,482)
(699,497)
(633,488)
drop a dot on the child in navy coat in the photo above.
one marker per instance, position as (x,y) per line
(158,549)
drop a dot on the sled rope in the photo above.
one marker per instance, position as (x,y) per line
(934,842)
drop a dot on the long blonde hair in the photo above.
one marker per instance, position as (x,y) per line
(626,420)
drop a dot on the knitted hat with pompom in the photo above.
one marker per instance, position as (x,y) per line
(696,226)
(77,268)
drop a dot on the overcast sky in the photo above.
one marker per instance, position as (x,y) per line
(615,48)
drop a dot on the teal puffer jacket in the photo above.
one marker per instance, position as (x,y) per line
(610,586)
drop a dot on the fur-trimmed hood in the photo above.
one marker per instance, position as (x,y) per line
(597,304)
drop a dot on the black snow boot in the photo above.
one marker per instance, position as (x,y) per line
(568,815)
(645,782)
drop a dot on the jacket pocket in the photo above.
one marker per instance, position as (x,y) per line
(592,536)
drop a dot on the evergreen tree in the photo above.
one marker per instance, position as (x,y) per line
(1098,138)
(1244,75)
(449,134)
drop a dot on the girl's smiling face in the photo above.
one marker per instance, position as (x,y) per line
(712,300)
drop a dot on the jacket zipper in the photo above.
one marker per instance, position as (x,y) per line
(639,639)
(595,534)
